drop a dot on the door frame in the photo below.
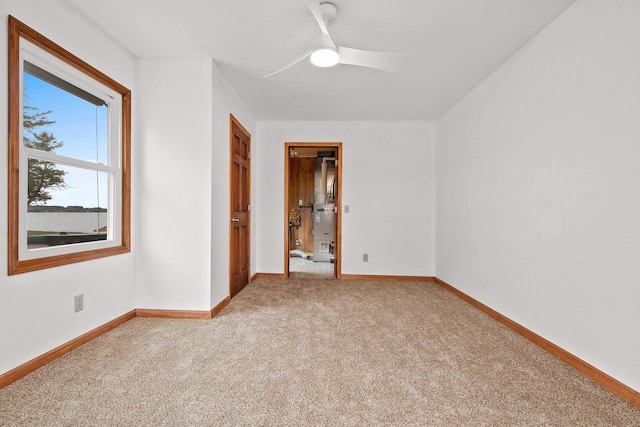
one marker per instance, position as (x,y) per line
(233,122)
(337,253)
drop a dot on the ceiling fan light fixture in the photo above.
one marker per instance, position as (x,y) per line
(328,54)
(325,57)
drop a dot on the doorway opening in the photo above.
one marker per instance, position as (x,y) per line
(313,220)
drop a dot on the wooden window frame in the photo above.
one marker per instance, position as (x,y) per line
(19,31)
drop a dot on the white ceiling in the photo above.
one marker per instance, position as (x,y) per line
(454,45)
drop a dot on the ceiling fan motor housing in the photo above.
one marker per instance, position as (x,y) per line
(329,13)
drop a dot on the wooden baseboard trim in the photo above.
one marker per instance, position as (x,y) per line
(33,364)
(173,314)
(390,278)
(30,366)
(606,381)
(218,308)
(183,314)
(623,391)
(353,277)
(268,276)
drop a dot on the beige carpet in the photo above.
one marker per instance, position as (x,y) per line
(317,353)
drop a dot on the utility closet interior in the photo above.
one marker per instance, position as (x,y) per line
(312,225)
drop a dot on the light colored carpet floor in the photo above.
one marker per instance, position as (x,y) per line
(315,353)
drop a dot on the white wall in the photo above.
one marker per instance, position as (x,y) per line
(225,102)
(537,183)
(36,309)
(388,183)
(182,193)
(173,189)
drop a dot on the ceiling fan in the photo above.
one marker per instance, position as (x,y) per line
(327,54)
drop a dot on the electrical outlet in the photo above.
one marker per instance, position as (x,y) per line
(365,257)
(78,303)
(346,208)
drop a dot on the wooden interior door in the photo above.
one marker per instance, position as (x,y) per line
(301,181)
(239,234)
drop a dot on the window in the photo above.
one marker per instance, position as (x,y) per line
(69,156)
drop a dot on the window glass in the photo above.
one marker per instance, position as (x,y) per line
(77,213)
(72,126)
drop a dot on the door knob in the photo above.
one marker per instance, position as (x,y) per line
(235,220)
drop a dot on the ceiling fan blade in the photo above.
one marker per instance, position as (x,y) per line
(385,61)
(291,64)
(314,7)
